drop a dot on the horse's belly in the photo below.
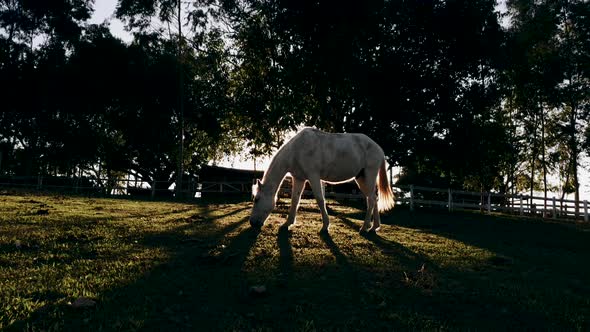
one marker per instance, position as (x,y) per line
(337,175)
(330,175)
(338,180)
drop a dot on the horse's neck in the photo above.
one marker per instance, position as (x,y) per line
(275,173)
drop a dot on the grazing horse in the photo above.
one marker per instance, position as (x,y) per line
(316,156)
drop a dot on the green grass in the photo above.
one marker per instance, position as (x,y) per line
(179,266)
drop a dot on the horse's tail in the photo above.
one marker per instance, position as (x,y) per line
(386,199)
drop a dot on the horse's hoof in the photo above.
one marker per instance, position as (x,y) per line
(324,231)
(363,230)
(374,229)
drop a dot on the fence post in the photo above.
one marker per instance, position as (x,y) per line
(521,207)
(489,202)
(585,210)
(154,189)
(554,209)
(450,200)
(411,197)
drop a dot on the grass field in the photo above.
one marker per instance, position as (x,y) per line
(89,264)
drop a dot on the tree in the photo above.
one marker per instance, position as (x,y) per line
(551,75)
(405,73)
(574,91)
(200,110)
(32,74)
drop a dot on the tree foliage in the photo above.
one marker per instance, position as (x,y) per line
(454,98)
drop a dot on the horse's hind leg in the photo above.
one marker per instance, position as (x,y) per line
(318,192)
(376,219)
(296,192)
(367,187)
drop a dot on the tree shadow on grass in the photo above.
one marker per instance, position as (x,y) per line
(515,242)
(534,261)
(511,239)
(204,284)
(189,290)
(196,285)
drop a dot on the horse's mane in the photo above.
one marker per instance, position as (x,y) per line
(273,160)
(282,149)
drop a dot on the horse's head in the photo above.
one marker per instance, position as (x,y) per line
(264,203)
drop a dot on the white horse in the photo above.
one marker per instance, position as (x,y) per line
(315,156)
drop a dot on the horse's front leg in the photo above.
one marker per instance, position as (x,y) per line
(318,192)
(296,191)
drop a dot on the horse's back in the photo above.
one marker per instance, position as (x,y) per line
(334,156)
(339,141)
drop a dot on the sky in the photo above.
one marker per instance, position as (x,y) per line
(104,10)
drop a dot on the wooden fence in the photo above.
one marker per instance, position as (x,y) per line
(416,196)
(411,196)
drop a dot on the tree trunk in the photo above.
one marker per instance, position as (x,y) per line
(574,158)
(513,160)
(574,163)
(533,157)
(573,115)
(180,173)
(567,179)
(543,160)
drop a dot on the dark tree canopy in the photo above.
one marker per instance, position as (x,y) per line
(453,97)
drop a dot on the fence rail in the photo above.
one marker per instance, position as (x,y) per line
(219,187)
(93,185)
(552,207)
(411,196)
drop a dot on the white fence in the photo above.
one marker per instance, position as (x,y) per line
(416,196)
(227,187)
(419,197)
(411,196)
(92,185)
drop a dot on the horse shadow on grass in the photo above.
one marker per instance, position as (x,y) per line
(285,276)
(287,260)
(407,257)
